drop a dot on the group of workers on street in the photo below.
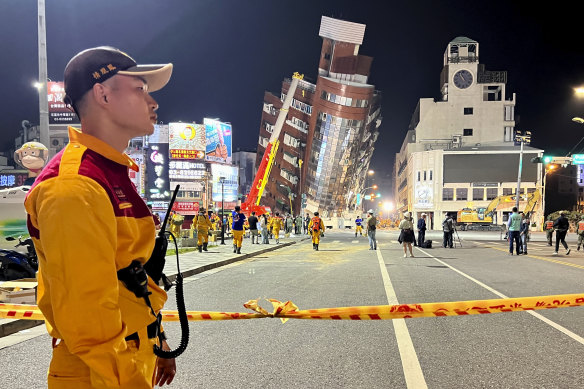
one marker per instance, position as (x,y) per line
(561,226)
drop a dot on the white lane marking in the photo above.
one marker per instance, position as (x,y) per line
(553,324)
(336,241)
(355,241)
(411,365)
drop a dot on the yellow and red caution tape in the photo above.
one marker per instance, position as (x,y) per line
(288,310)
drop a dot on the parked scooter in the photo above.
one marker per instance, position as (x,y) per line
(15,265)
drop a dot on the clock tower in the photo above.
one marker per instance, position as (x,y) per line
(461,66)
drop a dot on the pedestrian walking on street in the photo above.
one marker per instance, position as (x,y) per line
(371,228)
(524,233)
(306,223)
(514,227)
(264,224)
(237,229)
(316,228)
(549,230)
(561,225)
(422,230)
(298,225)
(448,229)
(580,232)
(406,235)
(99,328)
(253,228)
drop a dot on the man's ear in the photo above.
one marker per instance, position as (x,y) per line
(99,93)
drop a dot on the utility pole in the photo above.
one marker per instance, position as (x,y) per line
(522,137)
(43,76)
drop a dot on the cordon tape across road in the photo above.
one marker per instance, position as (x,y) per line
(288,310)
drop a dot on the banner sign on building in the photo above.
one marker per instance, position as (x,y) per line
(186,170)
(186,141)
(218,141)
(137,178)
(160,134)
(59,113)
(158,184)
(424,195)
(186,207)
(230,184)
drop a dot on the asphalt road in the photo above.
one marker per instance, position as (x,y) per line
(508,350)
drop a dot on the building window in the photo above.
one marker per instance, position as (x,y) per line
(462,194)
(424,175)
(491,193)
(508,135)
(507,191)
(478,194)
(447,194)
(467,132)
(468,111)
(418,176)
(509,113)
(530,190)
(430,175)
(492,93)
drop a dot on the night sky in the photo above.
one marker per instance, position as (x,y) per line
(227,53)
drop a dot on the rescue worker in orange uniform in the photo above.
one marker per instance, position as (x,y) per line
(202,224)
(316,228)
(276,226)
(580,232)
(549,230)
(88,222)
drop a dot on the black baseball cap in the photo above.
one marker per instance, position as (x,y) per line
(98,64)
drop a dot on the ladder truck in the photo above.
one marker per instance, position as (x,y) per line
(252,202)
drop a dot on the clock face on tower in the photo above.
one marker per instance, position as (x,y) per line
(462,79)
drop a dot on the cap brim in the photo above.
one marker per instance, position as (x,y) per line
(156,76)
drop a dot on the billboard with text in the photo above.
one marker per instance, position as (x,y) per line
(218,145)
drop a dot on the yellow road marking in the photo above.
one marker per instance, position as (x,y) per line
(535,256)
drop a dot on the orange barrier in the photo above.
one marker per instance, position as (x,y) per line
(288,310)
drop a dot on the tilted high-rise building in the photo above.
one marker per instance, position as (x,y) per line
(331,126)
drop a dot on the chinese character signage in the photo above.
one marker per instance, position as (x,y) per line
(186,141)
(230,184)
(424,195)
(11,180)
(218,141)
(160,134)
(186,170)
(158,186)
(59,113)
(186,207)
(137,177)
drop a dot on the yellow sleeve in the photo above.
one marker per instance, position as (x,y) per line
(79,237)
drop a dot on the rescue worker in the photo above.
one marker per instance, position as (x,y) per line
(237,229)
(316,228)
(549,230)
(358,226)
(202,224)
(103,335)
(276,224)
(580,232)
(176,222)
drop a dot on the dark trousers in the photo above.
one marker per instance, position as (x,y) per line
(421,237)
(561,237)
(514,236)
(447,242)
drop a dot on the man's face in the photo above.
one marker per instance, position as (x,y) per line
(132,107)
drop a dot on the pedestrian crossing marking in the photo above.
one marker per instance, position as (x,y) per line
(537,257)
(355,241)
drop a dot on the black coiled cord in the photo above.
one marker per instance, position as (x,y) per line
(182,315)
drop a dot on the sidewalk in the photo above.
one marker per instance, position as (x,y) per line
(190,263)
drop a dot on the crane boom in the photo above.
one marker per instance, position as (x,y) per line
(259,183)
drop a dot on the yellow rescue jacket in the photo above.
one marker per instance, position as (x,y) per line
(202,223)
(87,222)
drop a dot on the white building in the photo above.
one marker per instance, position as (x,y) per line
(459,152)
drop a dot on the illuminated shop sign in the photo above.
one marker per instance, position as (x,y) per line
(186,140)
(230,184)
(218,141)
(157,172)
(59,113)
(186,170)
(12,180)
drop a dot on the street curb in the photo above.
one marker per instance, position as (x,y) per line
(16,325)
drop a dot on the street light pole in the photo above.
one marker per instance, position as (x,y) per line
(43,91)
(222,181)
